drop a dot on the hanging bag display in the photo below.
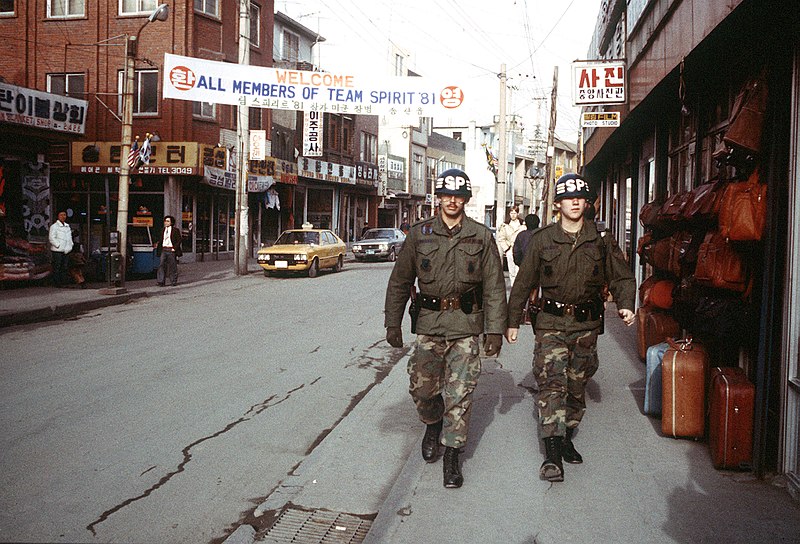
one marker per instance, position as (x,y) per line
(719,266)
(744,132)
(743,210)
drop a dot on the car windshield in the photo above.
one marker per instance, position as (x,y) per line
(298,237)
(378,233)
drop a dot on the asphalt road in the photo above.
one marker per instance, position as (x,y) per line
(167,419)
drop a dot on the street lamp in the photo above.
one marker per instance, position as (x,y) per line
(131,42)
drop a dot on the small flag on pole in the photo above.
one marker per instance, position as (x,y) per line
(144,152)
(134,154)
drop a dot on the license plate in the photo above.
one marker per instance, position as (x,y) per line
(281,264)
(370,252)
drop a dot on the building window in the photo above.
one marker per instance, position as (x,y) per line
(130,7)
(145,92)
(346,132)
(332,130)
(66,8)
(204,110)
(369,148)
(457,136)
(67,84)
(6,7)
(291,46)
(255,25)
(255,118)
(399,69)
(418,167)
(209,7)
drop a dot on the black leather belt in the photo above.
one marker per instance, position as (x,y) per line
(465,302)
(585,311)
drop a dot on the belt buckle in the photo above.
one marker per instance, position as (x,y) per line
(446,303)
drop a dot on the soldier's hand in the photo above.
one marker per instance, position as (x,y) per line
(627,316)
(492,344)
(394,335)
(511,335)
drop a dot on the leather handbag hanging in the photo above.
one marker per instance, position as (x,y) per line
(703,207)
(649,213)
(719,265)
(745,130)
(743,210)
(684,245)
(671,212)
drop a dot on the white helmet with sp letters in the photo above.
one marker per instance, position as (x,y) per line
(453,182)
(572,186)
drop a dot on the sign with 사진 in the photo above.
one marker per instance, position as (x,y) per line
(189,78)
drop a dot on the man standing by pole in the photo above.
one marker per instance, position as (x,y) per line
(462,294)
(571,263)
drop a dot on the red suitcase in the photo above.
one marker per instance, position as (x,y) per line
(653,327)
(684,369)
(730,419)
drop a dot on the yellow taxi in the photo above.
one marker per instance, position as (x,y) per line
(303,250)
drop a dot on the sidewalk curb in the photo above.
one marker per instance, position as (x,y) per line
(61,311)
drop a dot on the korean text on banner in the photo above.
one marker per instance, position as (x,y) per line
(189,78)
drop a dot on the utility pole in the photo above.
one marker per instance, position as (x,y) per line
(548,165)
(242,149)
(502,164)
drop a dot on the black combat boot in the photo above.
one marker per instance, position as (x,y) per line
(552,470)
(568,451)
(430,442)
(452,472)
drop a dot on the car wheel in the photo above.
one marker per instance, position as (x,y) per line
(313,270)
(339,264)
(392,256)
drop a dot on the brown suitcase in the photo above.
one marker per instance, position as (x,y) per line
(684,369)
(654,327)
(730,419)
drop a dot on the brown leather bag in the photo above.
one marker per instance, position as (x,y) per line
(743,210)
(745,130)
(683,253)
(719,265)
(661,254)
(649,214)
(683,374)
(672,210)
(703,207)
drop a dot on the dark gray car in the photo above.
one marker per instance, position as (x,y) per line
(380,243)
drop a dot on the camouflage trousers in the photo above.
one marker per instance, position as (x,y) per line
(562,364)
(444,374)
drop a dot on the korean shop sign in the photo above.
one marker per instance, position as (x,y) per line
(21,106)
(189,78)
(166,158)
(598,82)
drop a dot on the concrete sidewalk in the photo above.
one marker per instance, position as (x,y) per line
(634,486)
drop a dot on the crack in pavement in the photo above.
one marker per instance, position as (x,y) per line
(253,411)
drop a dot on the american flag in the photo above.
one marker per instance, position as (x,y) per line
(133,156)
(144,152)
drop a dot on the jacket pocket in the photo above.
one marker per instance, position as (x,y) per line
(426,265)
(469,262)
(592,265)
(549,275)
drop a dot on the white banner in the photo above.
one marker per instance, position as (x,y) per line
(189,78)
(313,130)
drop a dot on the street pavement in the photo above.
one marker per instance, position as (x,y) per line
(635,485)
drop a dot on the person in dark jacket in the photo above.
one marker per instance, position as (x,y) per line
(169,248)
(455,261)
(571,263)
(521,243)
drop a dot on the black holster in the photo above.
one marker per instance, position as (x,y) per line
(413,310)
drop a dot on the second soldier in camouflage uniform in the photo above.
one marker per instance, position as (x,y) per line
(572,263)
(462,294)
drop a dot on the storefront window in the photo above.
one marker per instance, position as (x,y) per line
(320,207)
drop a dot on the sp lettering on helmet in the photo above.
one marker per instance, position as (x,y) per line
(453,182)
(571,186)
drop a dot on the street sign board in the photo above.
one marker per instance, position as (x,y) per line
(598,82)
(600,119)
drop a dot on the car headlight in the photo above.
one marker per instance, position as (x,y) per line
(300,257)
(384,247)
(357,247)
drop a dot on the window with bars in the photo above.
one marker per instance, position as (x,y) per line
(129,7)
(291,46)
(67,84)
(66,8)
(145,92)
(209,7)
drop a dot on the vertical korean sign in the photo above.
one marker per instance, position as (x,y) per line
(312,133)
(598,82)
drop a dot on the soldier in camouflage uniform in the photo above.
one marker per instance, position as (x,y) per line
(572,263)
(462,294)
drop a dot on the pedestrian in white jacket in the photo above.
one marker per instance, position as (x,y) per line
(60,238)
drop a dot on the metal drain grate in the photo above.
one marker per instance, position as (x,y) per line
(296,526)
